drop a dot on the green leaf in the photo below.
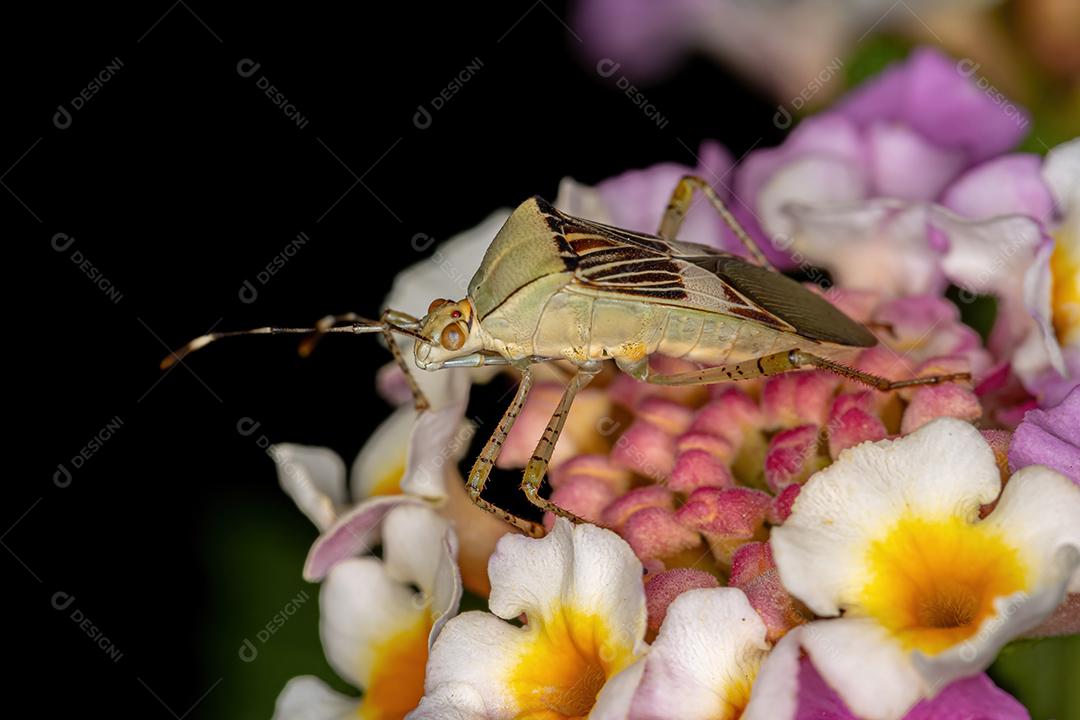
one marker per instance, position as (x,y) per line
(872,55)
(1042,674)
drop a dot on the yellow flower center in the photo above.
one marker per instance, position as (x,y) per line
(396,683)
(388,479)
(737,696)
(932,582)
(565,664)
(1065,295)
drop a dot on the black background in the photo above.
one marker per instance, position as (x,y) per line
(180,179)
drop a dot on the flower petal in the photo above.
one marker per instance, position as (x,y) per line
(1040,349)
(790,686)
(970,697)
(1061,172)
(775,695)
(809,181)
(581,567)
(475,650)
(374,630)
(314,477)
(354,532)
(944,468)
(933,94)
(380,465)
(705,658)
(452,701)
(875,245)
(308,698)
(1006,185)
(986,256)
(906,165)
(1042,506)
(580,591)
(420,548)
(439,439)
(1049,437)
(860,661)
(821,136)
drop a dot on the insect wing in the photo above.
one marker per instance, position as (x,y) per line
(621,262)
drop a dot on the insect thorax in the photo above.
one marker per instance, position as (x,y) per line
(524,251)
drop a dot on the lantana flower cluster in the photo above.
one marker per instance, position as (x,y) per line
(788,547)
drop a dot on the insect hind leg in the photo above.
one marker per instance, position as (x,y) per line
(679,205)
(788,360)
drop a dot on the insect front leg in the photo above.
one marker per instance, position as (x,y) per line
(390,319)
(788,360)
(481,469)
(537,466)
(679,205)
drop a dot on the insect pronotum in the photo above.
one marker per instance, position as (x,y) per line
(556,287)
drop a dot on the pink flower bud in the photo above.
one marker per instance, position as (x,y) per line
(781,504)
(940,365)
(662,589)
(934,401)
(595,466)
(728,416)
(626,392)
(653,532)
(754,572)
(645,449)
(852,421)
(883,361)
(716,446)
(797,398)
(584,495)
(646,496)
(793,456)
(669,416)
(696,469)
(727,517)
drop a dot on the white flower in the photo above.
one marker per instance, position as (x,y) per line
(889,537)
(409,460)
(581,595)
(703,662)
(376,627)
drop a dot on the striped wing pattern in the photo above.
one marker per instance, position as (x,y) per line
(616,261)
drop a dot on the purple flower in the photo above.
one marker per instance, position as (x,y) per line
(1050,437)
(905,187)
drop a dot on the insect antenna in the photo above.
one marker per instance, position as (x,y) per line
(392,322)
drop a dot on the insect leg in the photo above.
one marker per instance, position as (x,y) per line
(481,469)
(390,320)
(782,362)
(420,402)
(874,381)
(537,467)
(679,205)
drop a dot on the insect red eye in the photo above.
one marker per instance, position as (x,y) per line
(436,304)
(455,314)
(452,337)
